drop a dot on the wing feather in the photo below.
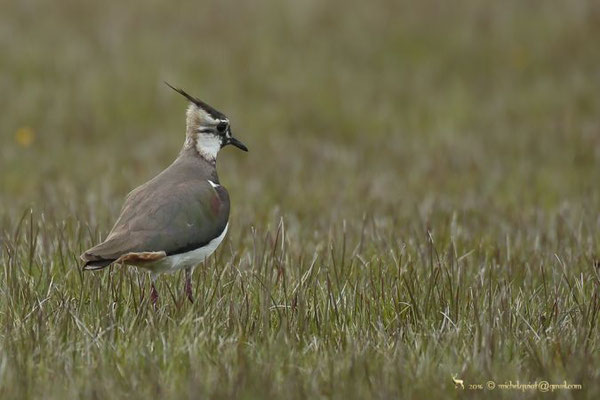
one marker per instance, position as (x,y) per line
(167,214)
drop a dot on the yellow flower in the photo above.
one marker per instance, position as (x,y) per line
(25,136)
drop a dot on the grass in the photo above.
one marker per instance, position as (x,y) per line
(420,198)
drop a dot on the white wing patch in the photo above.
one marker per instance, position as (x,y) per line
(214,185)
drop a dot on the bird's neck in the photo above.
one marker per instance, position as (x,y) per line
(203,168)
(203,145)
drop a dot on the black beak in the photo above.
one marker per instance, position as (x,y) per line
(236,143)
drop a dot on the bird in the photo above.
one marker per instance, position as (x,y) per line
(177,219)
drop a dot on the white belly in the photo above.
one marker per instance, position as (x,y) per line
(190,259)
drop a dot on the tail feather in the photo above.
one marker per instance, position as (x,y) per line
(104,254)
(94,262)
(96,265)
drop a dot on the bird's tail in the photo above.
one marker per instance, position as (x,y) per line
(94,262)
(95,265)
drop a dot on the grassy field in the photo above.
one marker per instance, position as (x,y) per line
(420,200)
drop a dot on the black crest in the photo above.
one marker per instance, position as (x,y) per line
(209,109)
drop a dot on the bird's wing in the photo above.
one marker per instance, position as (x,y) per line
(164,217)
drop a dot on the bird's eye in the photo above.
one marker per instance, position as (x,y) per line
(222,127)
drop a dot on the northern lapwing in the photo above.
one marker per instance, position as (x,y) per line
(178,218)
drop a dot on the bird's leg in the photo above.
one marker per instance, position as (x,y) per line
(188,284)
(154,295)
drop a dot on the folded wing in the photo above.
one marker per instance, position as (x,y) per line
(164,218)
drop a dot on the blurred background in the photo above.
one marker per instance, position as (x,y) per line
(380,133)
(348,108)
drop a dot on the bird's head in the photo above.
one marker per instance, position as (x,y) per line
(207,129)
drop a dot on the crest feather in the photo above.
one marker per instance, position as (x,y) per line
(199,103)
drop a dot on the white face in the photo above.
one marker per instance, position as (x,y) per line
(209,133)
(208,145)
